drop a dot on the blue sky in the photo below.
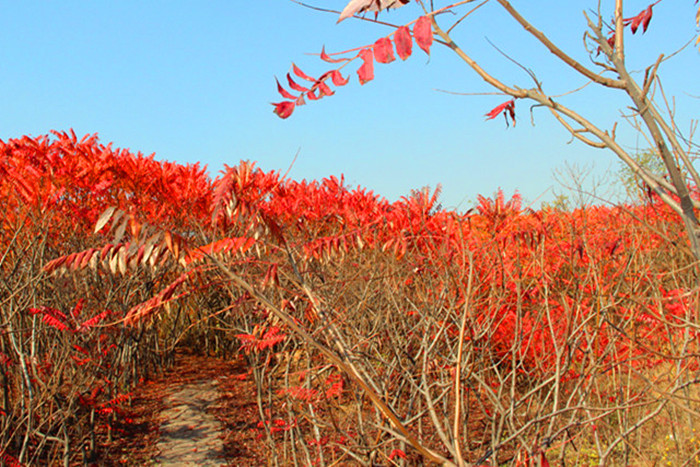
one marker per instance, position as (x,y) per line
(193,81)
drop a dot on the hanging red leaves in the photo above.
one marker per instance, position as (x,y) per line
(366,72)
(283,91)
(507,108)
(403,41)
(294,85)
(383,50)
(642,19)
(301,74)
(423,33)
(323,89)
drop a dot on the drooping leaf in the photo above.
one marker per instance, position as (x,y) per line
(383,50)
(326,58)
(324,90)
(507,108)
(338,79)
(366,72)
(301,74)
(642,18)
(423,33)
(294,85)
(283,91)
(284,109)
(403,42)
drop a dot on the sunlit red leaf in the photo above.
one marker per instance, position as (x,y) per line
(366,72)
(301,74)
(642,18)
(403,42)
(423,33)
(383,50)
(284,109)
(338,79)
(283,91)
(93,321)
(507,108)
(324,90)
(293,84)
(75,312)
(326,58)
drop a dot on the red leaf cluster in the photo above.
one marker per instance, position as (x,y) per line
(643,18)
(507,109)
(382,51)
(261,339)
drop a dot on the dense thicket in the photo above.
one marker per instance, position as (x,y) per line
(374,331)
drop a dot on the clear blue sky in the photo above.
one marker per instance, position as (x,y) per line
(193,81)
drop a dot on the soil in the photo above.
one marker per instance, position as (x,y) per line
(200,412)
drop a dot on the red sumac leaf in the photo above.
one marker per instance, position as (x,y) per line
(93,321)
(642,18)
(326,58)
(366,72)
(294,85)
(403,42)
(423,33)
(324,90)
(75,312)
(338,79)
(283,91)
(301,74)
(311,96)
(284,109)
(508,108)
(383,50)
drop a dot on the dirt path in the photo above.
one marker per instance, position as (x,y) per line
(202,411)
(190,434)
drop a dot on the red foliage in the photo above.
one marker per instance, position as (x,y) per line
(366,72)
(507,108)
(643,19)
(382,51)
(403,41)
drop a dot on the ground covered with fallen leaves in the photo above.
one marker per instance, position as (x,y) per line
(136,442)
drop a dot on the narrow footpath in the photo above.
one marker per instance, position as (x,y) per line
(189,433)
(200,412)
